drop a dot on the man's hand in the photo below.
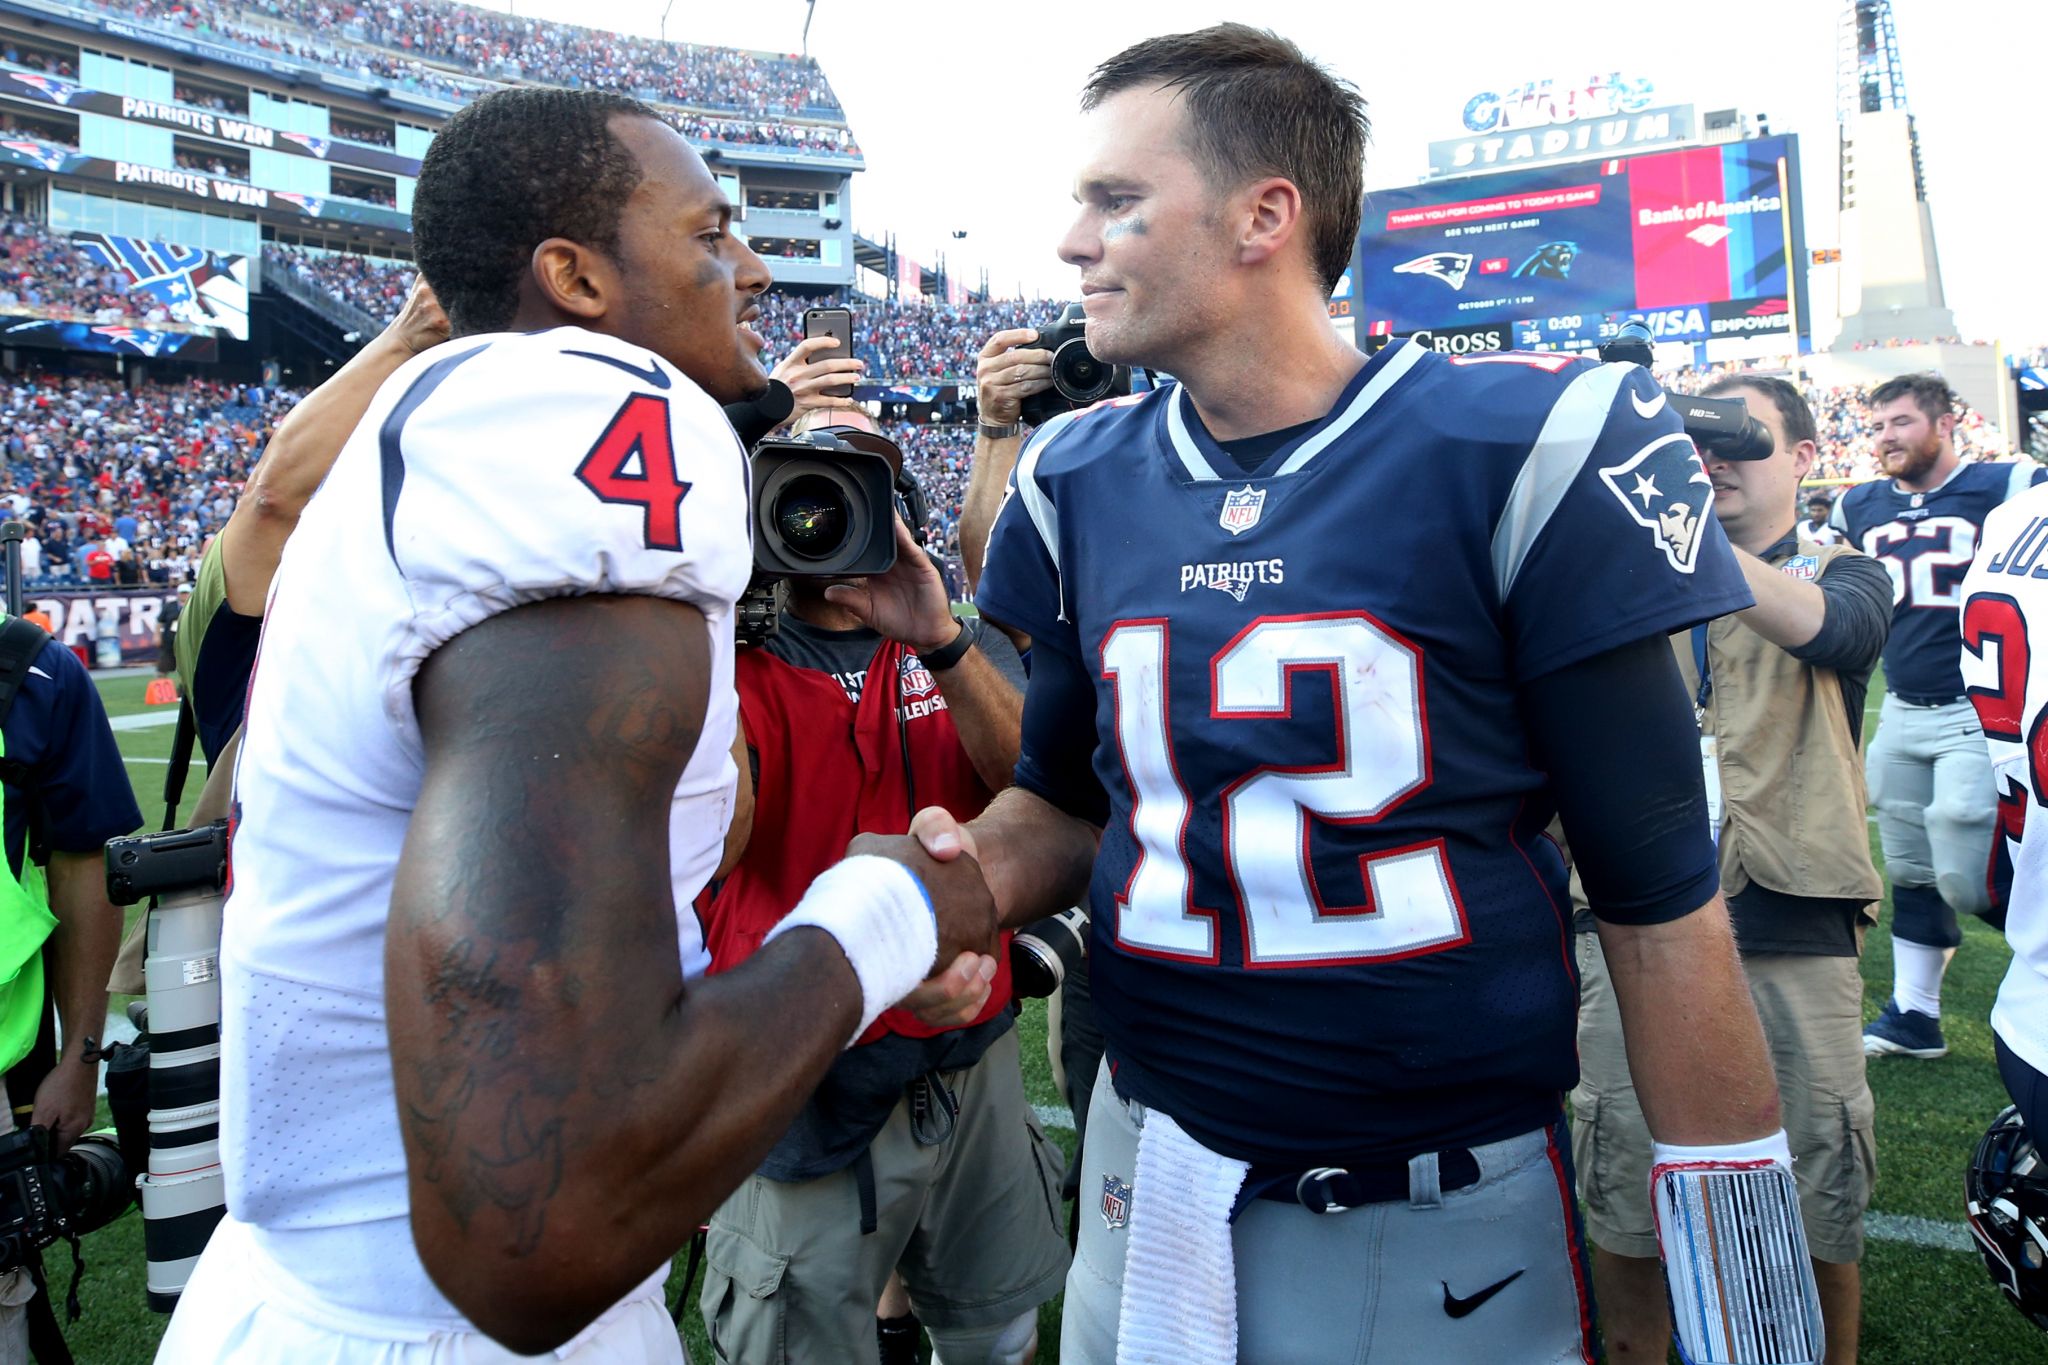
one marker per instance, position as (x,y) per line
(808,377)
(908,604)
(1005,376)
(958,891)
(953,997)
(65,1101)
(420,324)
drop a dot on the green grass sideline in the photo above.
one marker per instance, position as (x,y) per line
(1922,1306)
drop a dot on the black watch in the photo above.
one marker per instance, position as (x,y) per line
(939,660)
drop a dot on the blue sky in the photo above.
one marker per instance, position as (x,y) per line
(963,108)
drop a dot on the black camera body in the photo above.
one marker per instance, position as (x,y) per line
(1720,427)
(1078,378)
(44,1197)
(176,860)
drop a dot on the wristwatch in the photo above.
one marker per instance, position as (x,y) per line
(939,660)
(1002,433)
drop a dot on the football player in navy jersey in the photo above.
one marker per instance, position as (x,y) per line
(1930,775)
(1319,645)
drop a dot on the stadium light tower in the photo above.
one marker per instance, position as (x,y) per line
(1891,277)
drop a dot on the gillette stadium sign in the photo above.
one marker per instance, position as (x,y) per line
(1541,122)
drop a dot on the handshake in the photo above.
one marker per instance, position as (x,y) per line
(941,853)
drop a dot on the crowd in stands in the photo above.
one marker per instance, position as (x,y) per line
(373,287)
(46,275)
(122,487)
(903,341)
(428,46)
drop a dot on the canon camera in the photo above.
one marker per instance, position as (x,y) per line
(1078,378)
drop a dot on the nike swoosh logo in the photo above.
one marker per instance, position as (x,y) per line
(651,375)
(1643,410)
(1457,1308)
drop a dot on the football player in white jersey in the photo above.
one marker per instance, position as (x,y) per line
(473,1097)
(2005,617)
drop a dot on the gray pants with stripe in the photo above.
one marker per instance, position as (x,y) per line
(1371,1285)
(1930,779)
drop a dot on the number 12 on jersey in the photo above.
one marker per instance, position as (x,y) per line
(1382,760)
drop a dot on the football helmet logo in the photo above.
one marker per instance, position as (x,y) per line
(2008,1208)
(1449,266)
(1551,261)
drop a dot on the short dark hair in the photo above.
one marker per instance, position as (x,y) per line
(1929,392)
(1257,106)
(1793,414)
(505,174)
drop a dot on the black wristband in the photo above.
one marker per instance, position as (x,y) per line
(939,660)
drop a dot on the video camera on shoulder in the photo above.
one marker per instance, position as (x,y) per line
(1078,378)
(1720,427)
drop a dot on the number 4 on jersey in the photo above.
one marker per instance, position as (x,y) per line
(633,463)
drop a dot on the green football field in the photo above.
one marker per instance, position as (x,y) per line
(1927,1298)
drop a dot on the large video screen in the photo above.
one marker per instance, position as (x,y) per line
(188,284)
(1698,242)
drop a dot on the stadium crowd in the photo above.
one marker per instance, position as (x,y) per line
(906,341)
(370,286)
(122,487)
(412,44)
(44,275)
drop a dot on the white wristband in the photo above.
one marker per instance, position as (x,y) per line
(882,918)
(1775,1148)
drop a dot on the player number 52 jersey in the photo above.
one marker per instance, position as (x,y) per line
(488,473)
(2004,659)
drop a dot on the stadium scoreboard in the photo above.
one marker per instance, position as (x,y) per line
(1697,243)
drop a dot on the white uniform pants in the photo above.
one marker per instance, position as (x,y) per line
(241,1306)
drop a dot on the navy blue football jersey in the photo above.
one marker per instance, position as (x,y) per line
(1925,541)
(1326,923)
(58,731)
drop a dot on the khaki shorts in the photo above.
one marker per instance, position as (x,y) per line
(1812,1012)
(973,1223)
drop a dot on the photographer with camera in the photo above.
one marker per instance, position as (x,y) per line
(919,1151)
(66,794)
(1779,690)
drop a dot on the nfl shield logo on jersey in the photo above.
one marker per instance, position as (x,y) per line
(1241,509)
(1116,1202)
(917,679)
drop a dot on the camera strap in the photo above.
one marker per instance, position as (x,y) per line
(181,762)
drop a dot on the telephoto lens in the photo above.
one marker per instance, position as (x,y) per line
(1042,952)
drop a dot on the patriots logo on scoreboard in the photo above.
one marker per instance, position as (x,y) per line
(1449,266)
(49,87)
(1116,1202)
(917,680)
(1666,491)
(41,153)
(318,146)
(1241,509)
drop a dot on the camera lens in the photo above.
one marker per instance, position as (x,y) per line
(812,516)
(1079,376)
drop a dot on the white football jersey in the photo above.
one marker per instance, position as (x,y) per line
(2005,618)
(488,472)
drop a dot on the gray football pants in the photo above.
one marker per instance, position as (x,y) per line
(1371,1285)
(1930,779)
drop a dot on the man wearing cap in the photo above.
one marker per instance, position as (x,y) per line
(919,1152)
(1779,690)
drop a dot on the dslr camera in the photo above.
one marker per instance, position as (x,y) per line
(44,1197)
(1078,378)
(1720,427)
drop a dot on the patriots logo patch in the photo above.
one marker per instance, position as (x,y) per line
(1666,491)
(1449,266)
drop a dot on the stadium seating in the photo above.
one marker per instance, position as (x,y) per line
(456,52)
(80,454)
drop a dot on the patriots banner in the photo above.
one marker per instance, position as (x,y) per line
(109,339)
(196,287)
